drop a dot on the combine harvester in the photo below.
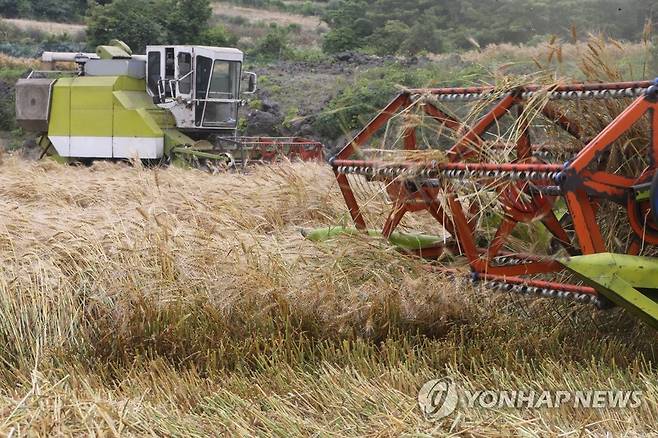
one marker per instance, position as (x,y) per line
(550,190)
(175,104)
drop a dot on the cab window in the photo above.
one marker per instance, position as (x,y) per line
(225,76)
(184,68)
(203,71)
(153,71)
(224,85)
(217,90)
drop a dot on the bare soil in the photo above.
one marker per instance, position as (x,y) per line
(281,18)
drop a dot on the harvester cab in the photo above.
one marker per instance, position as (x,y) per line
(176,104)
(201,86)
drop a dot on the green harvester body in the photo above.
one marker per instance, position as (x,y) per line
(105,116)
(162,105)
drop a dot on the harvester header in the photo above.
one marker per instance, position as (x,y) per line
(524,192)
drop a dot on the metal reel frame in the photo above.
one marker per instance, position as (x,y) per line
(580,188)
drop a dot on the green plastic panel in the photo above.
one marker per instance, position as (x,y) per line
(629,281)
(405,241)
(92,106)
(90,92)
(132,99)
(60,108)
(111,52)
(126,83)
(107,107)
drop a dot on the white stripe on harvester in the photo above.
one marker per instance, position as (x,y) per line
(108,147)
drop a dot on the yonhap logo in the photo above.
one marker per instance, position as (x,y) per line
(438,398)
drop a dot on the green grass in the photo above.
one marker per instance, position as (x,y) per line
(11,75)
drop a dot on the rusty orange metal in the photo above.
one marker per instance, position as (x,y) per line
(533,189)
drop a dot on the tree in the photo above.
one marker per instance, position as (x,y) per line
(343,13)
(349,25)
(340,40)
(187,21)
(274,44)
(219,36)
(144,22)
(137,23)
(436,25)
(421,37)
(10,8)
(388,39)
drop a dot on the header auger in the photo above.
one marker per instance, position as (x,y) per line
(175,104)
(530,192)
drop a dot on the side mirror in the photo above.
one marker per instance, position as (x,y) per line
(252,82)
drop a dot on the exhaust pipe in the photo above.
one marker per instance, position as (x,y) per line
(67,57)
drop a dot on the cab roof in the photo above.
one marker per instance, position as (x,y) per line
(227,53)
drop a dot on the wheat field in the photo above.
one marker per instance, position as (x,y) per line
(162,301)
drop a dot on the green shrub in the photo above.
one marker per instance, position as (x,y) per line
(340,40)
(139,23)
(53,10)
(438,25)
(219,36)
(421,38)
(307,55)
(24,44)
(256,104)
(341,16)
(373,89)
(309,8)
(388,39)
(7,110)
(274,44)
(294,28)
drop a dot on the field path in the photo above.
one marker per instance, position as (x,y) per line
(281,18)
(45,26)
